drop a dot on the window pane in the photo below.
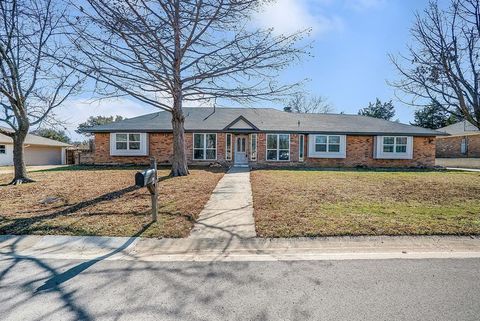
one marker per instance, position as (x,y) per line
(283,141)
(401,140)
(121,145)
(321,148)
(254,143)
(229,141)
(320,139)
(121,137)
(3,149)
(284,155)
(271,141)
(211,154)
(334,148)
(271,154)
(388,148)
(211,140)
(134,145)
(301,146)
(198,154)
(334,139)
(229,146)
(388,140)
(134,137)
(198,141)
(401,149)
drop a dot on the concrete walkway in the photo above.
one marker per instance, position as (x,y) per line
(463,169)
(229,212)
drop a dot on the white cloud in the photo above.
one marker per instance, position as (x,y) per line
(361,5)
(287,16)
(76,111)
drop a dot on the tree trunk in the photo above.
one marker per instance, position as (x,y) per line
(179,161)
(18,158)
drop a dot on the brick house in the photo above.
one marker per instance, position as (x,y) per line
(463,141)
(263,136)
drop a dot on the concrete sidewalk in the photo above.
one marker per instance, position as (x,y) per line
(237,249)
(229,212)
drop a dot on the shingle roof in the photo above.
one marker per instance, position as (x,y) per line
(265,119)
(33,140)
(460,128)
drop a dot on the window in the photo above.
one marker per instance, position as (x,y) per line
(301,147)
(204,146)
(228,155)
(3,149)
(394,144)
(128,144)
(253,147)
(327,146)
(278,147)
(463,146)
(394,147)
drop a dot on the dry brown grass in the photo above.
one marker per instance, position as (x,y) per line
(324,203)
(103,202)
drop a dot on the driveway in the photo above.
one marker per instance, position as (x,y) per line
(9,169)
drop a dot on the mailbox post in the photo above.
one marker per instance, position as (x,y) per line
(149,179)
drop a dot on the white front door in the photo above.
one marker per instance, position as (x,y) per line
(241,150)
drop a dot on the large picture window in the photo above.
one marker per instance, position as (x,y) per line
(394,147)
(278,147)
(204,146)
(128,144)
(327,146)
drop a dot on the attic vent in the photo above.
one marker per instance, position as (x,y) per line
(298,123)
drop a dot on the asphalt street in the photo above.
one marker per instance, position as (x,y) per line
(401,289)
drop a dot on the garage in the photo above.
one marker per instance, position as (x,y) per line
(38,151)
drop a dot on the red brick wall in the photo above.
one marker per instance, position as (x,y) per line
(160,145)
(450,146)
(359,152)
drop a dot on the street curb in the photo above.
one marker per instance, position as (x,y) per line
(235,249)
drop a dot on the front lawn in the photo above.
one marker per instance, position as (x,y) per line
(325,203)
(103,201)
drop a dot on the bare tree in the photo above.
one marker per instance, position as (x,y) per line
(32,84)
(443,64)
(302,103)
(167,52)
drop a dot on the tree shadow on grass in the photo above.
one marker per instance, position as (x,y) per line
(23,225)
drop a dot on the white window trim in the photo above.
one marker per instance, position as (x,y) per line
(253,155)
(226,146)
(3,149)
(342,153)
(278,149)
(302,150)
(205,147)
(380,154)
(143,151)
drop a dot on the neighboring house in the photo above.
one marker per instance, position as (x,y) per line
(463,142)
(265,136)
(38,151)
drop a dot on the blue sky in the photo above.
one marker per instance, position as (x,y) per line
(351,40)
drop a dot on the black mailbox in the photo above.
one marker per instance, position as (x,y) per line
(145,178)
